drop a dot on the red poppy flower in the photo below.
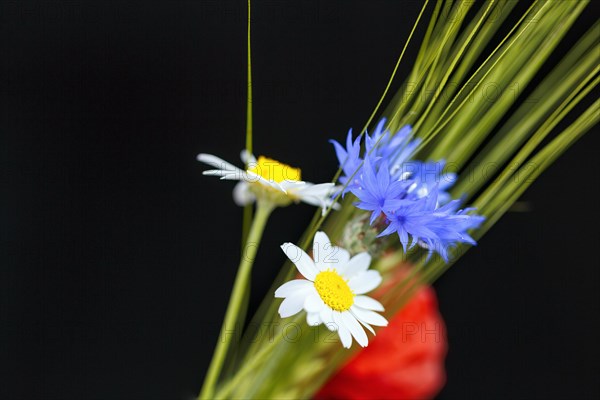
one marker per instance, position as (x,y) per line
(404,361)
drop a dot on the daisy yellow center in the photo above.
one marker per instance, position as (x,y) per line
(334,290)
(273,170)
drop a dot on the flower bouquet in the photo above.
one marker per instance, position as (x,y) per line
(417,186)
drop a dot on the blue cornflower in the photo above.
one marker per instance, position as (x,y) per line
(451,229)
(453,225)
(375,145)
(436,229)
(379,146)
(349,159)
(413,195)
(378,191)
(396,149)
(427,175)
(410,220)
(402,146)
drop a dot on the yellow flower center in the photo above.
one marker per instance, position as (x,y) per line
(273,170)
(334,290)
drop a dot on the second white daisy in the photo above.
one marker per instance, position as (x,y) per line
(333,291)
(270,179)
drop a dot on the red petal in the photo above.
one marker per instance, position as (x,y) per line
(404,361)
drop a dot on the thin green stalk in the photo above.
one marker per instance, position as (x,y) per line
(248,211)
(263,210)
(430,67)
(439,53)
(432,133)
(250,365)
(395,68)
(427,37)
(494,21)
(482,110)
(478,120)
(510,191)
(247,217)
(541,133)
(531,112)
(399,96)
(449,71)
(249,92)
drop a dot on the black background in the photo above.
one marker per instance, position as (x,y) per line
(117,255)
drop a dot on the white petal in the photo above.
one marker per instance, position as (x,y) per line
(343,332)
(321,244)
(237,175)
(293,286)
(369,317)
(345,337)
(364,282)
(215,162)
(231,177)
(292,185)
(242,194)
(318,202)
(369,327)
(313,303)
(291,305)
(326,316)
(313,319)
(301,260)
(317,195)
(355,329)
(357,264)
(254,177)
(368,303)
(319,190)
(326,255)
(339,256)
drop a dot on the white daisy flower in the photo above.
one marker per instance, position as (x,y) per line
(333,291)
(270,179)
